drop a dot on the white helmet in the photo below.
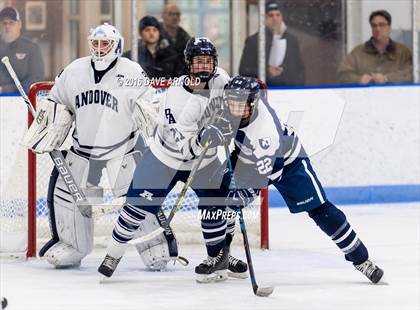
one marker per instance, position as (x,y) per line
(105,44)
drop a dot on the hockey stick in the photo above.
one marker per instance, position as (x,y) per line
(56,156)
(192,173)
(188,182)
(259,291)
(184,190)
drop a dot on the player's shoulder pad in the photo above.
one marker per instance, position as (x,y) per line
(179,83)
(78,65)
(131,68)
(221,74)
(75,68)
(220,79)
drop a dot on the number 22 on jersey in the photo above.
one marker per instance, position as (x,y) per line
(264,165)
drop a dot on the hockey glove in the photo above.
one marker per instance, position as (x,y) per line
(241,197)
(212,135)
(224,126)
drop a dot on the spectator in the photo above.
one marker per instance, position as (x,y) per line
(24,55)
(379,60)
(171,30)
(280,70)
(156,55)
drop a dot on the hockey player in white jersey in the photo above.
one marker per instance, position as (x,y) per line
(269,153)
(89,93)
(184,126)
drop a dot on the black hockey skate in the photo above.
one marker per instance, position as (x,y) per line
(237,268)
(213,269)
(371,271)
(108,265)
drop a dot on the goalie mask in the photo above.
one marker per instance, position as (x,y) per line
(105,45)
(241,97)
(201,58)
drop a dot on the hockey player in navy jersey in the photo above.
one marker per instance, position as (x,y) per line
(269,153)
(184,127)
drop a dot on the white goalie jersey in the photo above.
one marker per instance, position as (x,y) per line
(182,114)
(103,110)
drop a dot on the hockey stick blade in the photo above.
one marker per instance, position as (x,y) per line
(147,237)
(263,291)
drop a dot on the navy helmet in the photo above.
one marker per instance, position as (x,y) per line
(200,47)
(243,90)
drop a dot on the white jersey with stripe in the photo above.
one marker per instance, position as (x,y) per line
(266,145)
(182,114)
(104,126)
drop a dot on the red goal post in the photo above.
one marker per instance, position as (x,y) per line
(34,90)
(42,88)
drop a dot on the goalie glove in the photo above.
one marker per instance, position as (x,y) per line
(50,127)
(146,116)
(241,197)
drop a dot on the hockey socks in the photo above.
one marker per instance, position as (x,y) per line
(213,227)
(333,222)
(128,222)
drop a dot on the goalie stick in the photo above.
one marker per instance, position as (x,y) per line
(259,291)
(56,155)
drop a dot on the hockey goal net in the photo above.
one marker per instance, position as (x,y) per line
(24,186)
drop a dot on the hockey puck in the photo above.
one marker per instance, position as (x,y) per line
(3,303)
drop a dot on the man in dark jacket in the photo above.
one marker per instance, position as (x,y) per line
(171,30)
(24,55)
(280,71)
(156,55)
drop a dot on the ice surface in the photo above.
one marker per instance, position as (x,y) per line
(307,269)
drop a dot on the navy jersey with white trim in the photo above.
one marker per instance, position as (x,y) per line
(265,146)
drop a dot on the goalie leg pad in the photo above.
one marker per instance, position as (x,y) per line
(63,255)
(157,252)
(72,232)
(120,172)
